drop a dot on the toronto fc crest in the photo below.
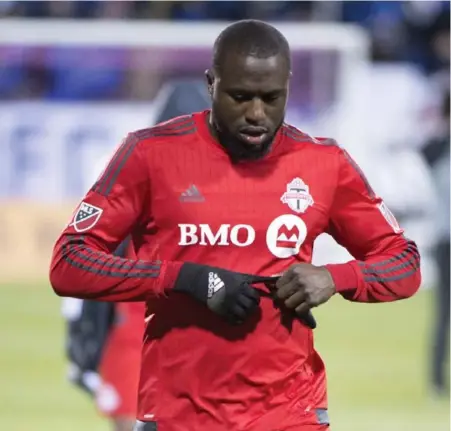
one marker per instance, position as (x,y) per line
(297,196)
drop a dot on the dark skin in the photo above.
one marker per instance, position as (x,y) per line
(250,94)
(304,286)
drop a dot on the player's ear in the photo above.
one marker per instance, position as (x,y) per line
(210,80)
(210,76)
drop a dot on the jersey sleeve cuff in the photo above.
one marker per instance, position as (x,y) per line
(170,272)
(344,276)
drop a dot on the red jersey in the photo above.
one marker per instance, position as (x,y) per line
(176,191)
(130,315)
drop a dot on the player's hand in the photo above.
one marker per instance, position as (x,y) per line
(304,286)
(227,293)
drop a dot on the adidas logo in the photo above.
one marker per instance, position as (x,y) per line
(214,284)
(191,194)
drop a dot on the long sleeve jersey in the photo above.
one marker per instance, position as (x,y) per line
(174,189)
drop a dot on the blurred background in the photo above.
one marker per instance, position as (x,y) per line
(76,76)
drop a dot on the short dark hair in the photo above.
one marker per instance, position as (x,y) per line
(250,37)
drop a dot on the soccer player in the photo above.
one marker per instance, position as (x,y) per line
(217,202)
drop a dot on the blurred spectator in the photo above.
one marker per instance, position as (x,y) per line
(62,9)
(32,9)
(437,153)
(115,9)
(151,9)
(182,10)
(7,8)
(282,11)
(427,27)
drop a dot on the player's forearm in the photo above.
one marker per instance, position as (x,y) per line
(385,278)
(80,270)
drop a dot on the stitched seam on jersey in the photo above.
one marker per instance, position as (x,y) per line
(172,134)
(181,127)
(112,164)
(179,130)
(187,127)
(296,134)
(174,122)
(362,176)
(299,136)
(289,128)
(184,122)
(121,164)
(291,135)
(169,127)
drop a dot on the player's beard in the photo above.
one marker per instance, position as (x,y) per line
(236,148)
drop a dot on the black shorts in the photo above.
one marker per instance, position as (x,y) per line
(145,426)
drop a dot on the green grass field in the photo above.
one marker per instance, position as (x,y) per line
(376,357)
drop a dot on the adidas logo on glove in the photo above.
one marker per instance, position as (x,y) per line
(214,283)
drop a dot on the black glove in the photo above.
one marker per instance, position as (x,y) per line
(226,293)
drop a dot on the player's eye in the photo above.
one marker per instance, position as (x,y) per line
(241,97)
(270,98)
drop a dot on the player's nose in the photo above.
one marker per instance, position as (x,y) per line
(255,112)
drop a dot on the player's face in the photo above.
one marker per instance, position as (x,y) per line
(248,103)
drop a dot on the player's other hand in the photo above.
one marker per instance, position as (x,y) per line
(304,286)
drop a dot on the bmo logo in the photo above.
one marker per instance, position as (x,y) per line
(240,235)
(285,235)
